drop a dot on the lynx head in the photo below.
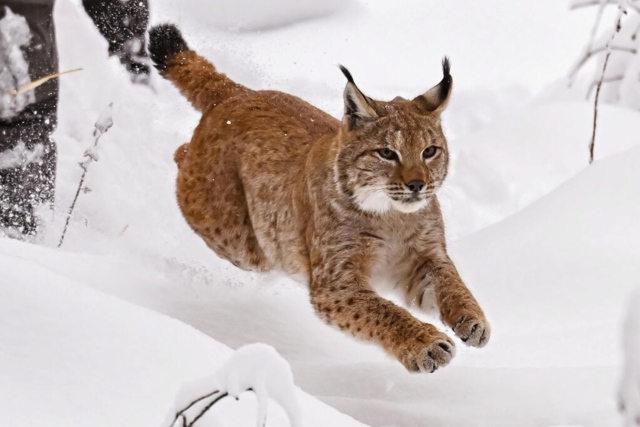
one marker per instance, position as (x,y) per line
(393,155)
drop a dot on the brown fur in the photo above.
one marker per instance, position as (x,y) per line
(273,183)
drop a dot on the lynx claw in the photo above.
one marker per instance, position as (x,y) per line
(432,356)
(472,331)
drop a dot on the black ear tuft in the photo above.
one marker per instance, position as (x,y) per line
(437,98)
(446,67)
(346,73)
(445,84)
(165,41)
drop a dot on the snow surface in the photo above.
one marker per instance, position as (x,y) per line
(553,277)
(74,356)
(507,165)
(629,393)
(250,15)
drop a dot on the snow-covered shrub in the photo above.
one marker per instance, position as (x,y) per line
(255,367)
(621,79)
(630,384)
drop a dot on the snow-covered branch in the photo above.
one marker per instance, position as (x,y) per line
(257,368)
(103,124)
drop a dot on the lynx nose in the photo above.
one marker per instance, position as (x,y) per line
(416,185)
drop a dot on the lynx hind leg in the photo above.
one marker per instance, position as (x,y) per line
(236,243)
(216,210)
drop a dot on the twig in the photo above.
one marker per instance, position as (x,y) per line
(590,53)
(607,80)
(206,408)
(181,414)
(104,123)
(40,82)
(621,12)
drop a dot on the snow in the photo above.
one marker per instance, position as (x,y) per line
(505,166)
(87,358)
(14,69)
(552,273)
(20,155)
(620,83)
(629,392)
(249,15)
(257,368)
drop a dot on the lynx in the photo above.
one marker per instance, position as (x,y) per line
(270,182)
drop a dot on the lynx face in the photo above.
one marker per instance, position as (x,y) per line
(397,162)
(393,155)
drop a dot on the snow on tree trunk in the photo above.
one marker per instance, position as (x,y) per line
(14,68)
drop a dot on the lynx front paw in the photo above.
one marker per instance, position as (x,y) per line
(426,353)
(473,330)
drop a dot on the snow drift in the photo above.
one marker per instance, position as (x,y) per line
(629,392)
(85,358)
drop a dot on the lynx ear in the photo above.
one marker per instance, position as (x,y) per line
(357,109)
(435,100)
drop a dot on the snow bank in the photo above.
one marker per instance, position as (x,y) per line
(506,166)
(86,358)
(89,359)
(629,393)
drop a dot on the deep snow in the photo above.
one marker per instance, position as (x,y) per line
(552,278)
(74,356)
(629,392)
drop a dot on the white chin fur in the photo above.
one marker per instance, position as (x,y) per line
(409,207)
(372,200)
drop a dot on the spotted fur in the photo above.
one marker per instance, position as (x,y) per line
(272,183)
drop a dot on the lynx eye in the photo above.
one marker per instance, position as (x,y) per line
(429,152)
(388,154)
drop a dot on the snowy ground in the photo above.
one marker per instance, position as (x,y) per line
(552,272)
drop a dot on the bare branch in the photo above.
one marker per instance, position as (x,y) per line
(206,408)
(588,54)
(181,415)
(621,12)
(104,123)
